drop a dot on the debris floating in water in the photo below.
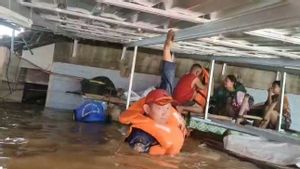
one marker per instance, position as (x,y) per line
(13,141)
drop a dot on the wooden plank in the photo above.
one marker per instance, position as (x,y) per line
(252,117)
(110,99)
(219,117)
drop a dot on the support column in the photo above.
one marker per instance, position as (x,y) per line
(224,69)
(123,53)
(75,47)
(12,42)
(277,75)
(283,81)
(131,76)
(211,74)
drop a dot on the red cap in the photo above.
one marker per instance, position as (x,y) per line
(158,96)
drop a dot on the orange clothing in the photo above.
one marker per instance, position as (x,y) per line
(204,76)
(200,97)
(169,136)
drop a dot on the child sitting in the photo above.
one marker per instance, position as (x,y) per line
(155,126)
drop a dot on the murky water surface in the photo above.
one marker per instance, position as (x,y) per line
(37,138)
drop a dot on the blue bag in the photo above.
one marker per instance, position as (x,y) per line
(91,111)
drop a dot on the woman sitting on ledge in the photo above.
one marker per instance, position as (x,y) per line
(272,109)
(232,99)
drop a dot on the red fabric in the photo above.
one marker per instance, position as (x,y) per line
(184,92)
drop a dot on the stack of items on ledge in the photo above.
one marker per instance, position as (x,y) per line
(101,101)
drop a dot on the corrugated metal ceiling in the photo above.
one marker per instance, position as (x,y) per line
(125,21)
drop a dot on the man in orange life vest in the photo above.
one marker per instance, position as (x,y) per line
(156,127)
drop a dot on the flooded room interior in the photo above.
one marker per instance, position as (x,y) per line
(165,84)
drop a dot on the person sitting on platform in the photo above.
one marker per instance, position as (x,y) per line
(232,99)
(272,109)
(191,90)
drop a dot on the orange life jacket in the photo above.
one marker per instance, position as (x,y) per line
(170,137)
(204,76)
(201,95)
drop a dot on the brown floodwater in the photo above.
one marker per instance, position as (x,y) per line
(36,138)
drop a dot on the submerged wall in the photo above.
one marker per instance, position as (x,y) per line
(58,97)
(59,85)
(41,57)
(10,90)
(148,61)
(21,71)
(106,60)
